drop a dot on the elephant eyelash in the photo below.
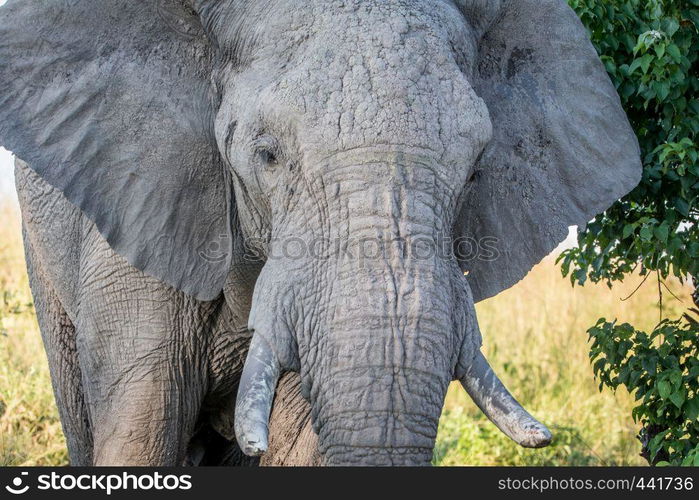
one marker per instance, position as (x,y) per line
(267,150)
(268,157)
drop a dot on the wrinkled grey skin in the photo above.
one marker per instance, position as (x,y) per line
(173,148)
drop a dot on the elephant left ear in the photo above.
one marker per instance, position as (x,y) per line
(562,149)
(111,102)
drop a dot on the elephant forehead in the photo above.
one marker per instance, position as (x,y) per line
(383,72)
(294,21)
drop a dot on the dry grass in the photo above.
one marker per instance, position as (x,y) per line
(534,335)
(30,432)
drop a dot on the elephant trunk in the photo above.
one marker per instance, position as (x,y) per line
(387,356)
(385,366)
(365,426)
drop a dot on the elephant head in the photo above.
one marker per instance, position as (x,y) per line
(354,146)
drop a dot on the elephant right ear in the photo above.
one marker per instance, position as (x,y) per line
(562,149)
(110,102)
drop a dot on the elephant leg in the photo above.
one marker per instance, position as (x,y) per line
(142,348)
(58,334)
(126,353)
(292,441)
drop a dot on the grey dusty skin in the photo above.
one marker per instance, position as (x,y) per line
(313,177)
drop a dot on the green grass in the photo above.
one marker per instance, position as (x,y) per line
(533,334)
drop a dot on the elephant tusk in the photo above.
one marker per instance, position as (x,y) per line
(495,401)
(255,396)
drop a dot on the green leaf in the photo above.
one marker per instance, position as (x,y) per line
(691,409)
(662,90)
(661,232)
(660,50)
(664,389)
(678,397)
(674,52)
(634,65)
(682,206)
(675,378)
(645,62)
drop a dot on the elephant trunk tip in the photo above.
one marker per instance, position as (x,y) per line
(252,443)
(533,434)
(255,397)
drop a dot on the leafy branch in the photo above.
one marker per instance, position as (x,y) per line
(650,50)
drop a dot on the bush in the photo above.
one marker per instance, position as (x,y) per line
(661,369)
(650,50)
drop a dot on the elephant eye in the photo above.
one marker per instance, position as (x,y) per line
(267,151)
(268,158)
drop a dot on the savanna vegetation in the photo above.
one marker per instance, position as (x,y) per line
(650,49)
(30,432)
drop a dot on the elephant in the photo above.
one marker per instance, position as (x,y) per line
(224,200)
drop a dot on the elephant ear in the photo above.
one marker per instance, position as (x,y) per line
(562,149)
(110,102)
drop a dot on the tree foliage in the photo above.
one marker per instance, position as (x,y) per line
(650,49)
(661,369)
